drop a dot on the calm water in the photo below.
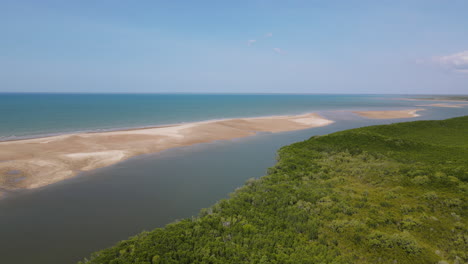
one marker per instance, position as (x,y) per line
(65,222)
(28,115)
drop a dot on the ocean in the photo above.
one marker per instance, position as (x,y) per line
(36,115)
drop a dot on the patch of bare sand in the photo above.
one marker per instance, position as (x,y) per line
(393,114)
(447,105)
(44,161)
(432,99)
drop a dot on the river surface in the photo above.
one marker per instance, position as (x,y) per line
(65,222)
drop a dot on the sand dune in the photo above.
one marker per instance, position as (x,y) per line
(389,114)
(42,161)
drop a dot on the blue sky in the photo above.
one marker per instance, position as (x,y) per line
(257,46)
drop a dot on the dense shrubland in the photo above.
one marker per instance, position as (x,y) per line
(382,194)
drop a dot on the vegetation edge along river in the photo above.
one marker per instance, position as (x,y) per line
(380,194)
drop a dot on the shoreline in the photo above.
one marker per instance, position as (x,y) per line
(118,129)
(38,162)
(393,114)
(432,100)
(48,135)
(34,163)
(446,105)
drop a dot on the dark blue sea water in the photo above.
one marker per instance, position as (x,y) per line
(33,115)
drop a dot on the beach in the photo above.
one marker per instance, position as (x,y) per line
(433,99)
(447,105)
(389,114)
(33,163)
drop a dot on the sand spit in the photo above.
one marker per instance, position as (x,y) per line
(432,99)
(389,114)
(33,163)
(447,105)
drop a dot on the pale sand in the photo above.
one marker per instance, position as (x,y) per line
(447,105)
(389,114)
(436,100)
(43,161)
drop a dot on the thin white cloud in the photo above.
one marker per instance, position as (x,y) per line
(250,42)
(278,50)
(457,62)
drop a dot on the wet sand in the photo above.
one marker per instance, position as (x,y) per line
(389,114)
(33,163)
(447,105)
(433,99)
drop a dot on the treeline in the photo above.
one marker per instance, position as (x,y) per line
(382,194)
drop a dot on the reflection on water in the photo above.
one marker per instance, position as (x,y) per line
(65,222)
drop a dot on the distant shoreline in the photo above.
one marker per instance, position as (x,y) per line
(389,114)
(446,105)
(442,99)
(42,161)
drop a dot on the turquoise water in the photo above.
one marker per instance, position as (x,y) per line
(33,115)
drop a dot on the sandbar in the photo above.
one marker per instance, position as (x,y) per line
(34,163)
(434,99)
(392,114)
(447,105)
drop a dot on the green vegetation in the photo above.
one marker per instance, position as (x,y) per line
(381,194)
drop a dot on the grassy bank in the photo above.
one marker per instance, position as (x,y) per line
(382,194)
